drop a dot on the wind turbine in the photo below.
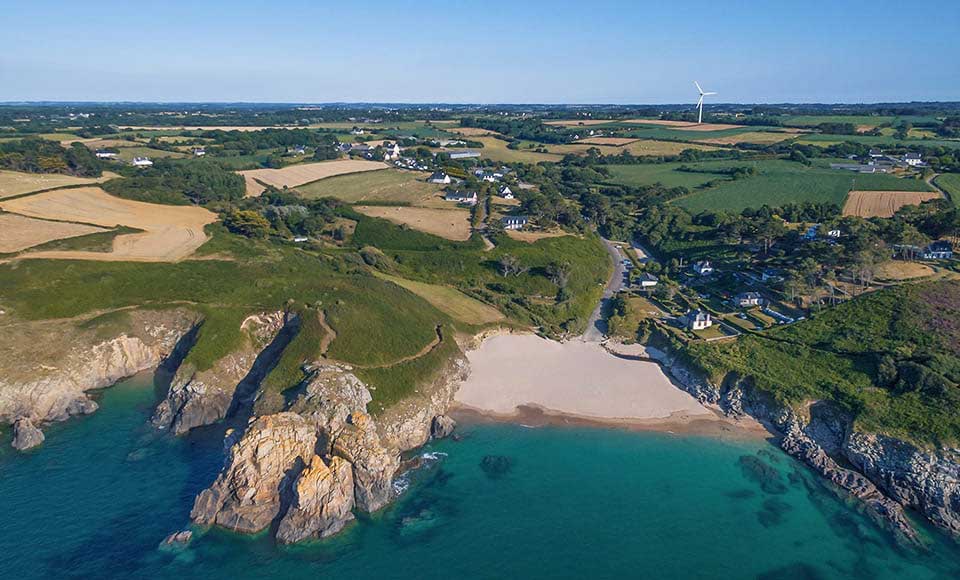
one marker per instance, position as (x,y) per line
(700,102)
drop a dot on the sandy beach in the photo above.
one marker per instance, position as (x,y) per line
(575,378)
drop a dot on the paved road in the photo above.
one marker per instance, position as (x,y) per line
(597,324)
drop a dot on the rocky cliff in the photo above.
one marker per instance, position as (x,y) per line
(888,474)
(50,366)
(197,398)
(305,470)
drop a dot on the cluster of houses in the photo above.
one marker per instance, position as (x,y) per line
(879,162)
(938,250)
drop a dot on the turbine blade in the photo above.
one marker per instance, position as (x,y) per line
(698,87)
(709,93)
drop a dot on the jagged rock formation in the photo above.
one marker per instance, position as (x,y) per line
(322,501)
(892,474)
(196,398)
(307,468)
(50,366)
(261,468)
(442,426)
(25,434)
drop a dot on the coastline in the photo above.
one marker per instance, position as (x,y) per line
(533,416)
(582,384)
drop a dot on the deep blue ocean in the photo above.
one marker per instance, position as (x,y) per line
(505,501)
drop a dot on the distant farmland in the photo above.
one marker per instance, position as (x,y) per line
(388,185)
(883,203)
(780,182)
(295,175)
(950,182)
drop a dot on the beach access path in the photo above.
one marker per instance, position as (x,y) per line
(597,325)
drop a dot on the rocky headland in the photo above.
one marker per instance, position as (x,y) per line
(887,474)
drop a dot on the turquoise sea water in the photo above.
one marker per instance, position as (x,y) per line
(504,502)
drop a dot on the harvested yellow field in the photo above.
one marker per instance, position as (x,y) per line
(685,125)
(901,270)
(579,122)
(639,148)
(19,232)
(170,233)
(449,300)
(15,183)
(295,175)
(453,224)
(613,141)
(470,131)
(204,128)
(530,237)
(758,137)
(883,203)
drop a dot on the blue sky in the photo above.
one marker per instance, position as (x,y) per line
(517,51)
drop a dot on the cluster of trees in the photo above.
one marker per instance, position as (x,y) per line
(171,182)
(526,129)
(284,214)
(249,142)
(42,156)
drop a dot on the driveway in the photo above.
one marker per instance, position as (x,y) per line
(597,323)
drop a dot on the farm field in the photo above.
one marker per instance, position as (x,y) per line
(170,233)
(390,185)
(449,300)
(756,137)
(14,183)
(897,270)
(19,232)
(128,153)
(497,150)
(453,224)
(306,173)
(685,125)
(470,131)
(949,182)
(614,141)
(869,121)
(780,182)
(579,122)
(825,139)
(883,203)
(533,236)
(663,173)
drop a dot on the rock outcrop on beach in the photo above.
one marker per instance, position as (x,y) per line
(50,366)
(202,397)
(306,469)
(260,471)
(26,434)
(889,475)
(322,501)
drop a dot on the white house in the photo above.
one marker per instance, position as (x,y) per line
(648,280)
(747,299)
(199,152)
(439,177)
(106,155)
(703,268)
(356,131)
(142,162)
(391,151)
(514,222)
(505,192)
(913,159)
(939,250)
(698,319)
(469,197)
